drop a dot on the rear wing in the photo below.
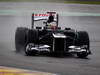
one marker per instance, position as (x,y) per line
(38,17)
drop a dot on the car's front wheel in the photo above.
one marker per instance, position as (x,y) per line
(83,40)
(83,54)
(29,49)
(32,39)
(20,38)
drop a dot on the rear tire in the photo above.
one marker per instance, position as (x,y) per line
(83,39)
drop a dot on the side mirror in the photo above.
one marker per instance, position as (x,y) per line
(67,28)
(38,27)
(44,22)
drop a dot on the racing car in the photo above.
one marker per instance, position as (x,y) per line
(50,38)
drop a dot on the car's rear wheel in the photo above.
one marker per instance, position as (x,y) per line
(83,40)
(20,38)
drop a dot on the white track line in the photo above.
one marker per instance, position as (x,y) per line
(29,12)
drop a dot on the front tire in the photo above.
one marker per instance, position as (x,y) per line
(32,39)
(83,39)
(29,51)
(82,54)
(20,38)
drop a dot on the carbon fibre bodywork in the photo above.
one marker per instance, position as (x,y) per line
(52,39)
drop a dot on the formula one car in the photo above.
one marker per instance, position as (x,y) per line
(50,38)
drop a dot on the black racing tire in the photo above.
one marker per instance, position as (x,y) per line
(20,38)
(82,54)
(83,39)
(32,37)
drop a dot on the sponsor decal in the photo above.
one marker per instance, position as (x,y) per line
(41,15)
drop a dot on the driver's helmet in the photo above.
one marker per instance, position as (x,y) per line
(51,24)
(50,18)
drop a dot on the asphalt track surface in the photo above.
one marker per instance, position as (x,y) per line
(61,65)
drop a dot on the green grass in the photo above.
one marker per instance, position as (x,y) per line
(84,2)
(57,1)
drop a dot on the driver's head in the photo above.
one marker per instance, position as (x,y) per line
(50,18)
